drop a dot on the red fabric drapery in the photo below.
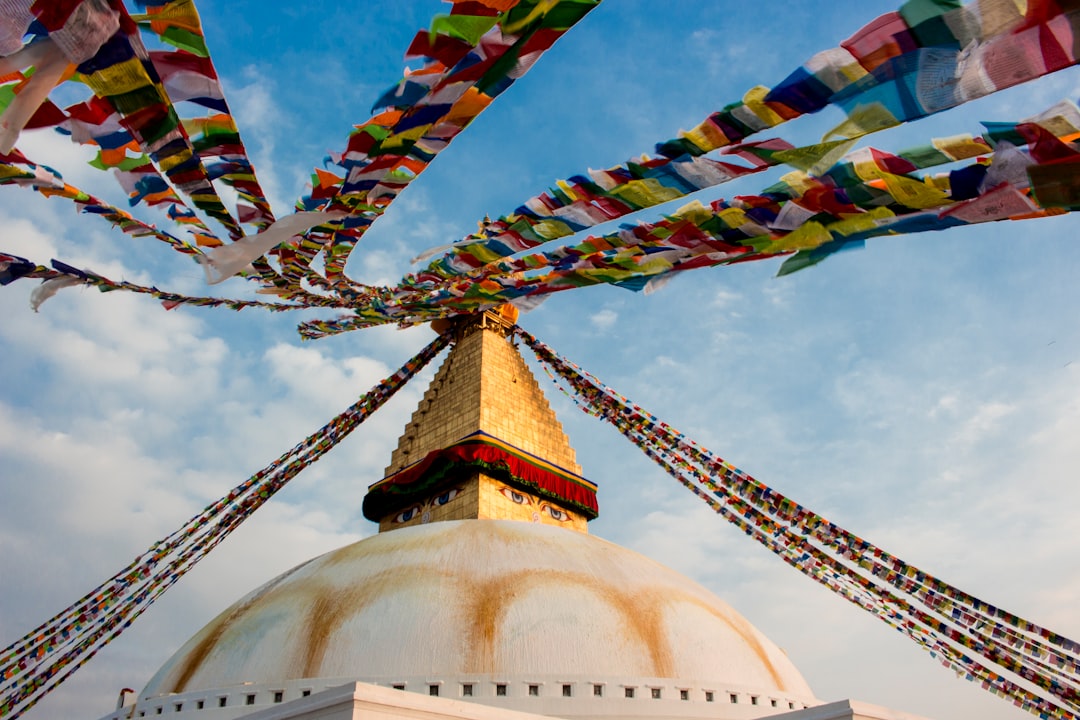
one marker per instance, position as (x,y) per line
(480,451)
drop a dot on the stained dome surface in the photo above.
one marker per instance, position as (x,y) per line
(487,598)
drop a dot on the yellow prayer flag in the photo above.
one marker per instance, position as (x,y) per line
(567,190)
(652,265)
(941,182)
(754,99)
(1000,16)
(398,139)
(218,122)
(732,217)
(798,181)
(551,229)
(913,193)
(7,171)
(706,136)
(861,222)
(693,211)
(645,193)
(1060,126)
(960,147)
(864,165)
(807,236)
(179,13)
(815,159)
(863,120)
(168,163)
(852,71)
(123,77)
(483,253)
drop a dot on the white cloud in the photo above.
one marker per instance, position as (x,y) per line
(604,319)
(778,293)
(264,123)
(945,406)
(724,299)
(982,422)
(21,237)
(323,381)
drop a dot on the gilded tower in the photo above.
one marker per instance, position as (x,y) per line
(484,443)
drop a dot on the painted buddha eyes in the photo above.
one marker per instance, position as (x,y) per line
(407,515)
(546,508)
(515,496)
(555,513)
(423,512)
(436,502)
(445,497)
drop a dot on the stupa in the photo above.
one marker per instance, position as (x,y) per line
(482,586)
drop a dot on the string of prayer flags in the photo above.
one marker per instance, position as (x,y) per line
(577,204)
(17,169)
(95,122)
(901,66)
(581,202)
(950,624)
(473,55)
(188,75)
(33,665)
(60,275)
(183,75)
(132,87)
(866,193)
(132,111)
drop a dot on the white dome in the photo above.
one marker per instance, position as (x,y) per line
(487,599)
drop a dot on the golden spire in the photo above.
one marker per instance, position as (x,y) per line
(483,443)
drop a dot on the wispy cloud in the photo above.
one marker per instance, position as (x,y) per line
(604,319)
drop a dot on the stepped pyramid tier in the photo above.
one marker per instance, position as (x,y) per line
(484,442)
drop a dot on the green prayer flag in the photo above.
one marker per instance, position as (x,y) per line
(463,27)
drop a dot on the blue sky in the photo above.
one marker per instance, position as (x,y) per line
(923,392)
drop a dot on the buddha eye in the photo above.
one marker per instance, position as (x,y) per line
(555,513)
(407,515)
(445,497)
(515,496)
